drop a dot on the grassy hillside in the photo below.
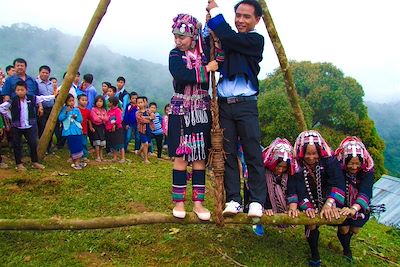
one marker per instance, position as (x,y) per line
(54,48)
(105,189)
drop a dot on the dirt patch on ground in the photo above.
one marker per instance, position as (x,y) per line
(20,184)
(13,188)
(136,207)
(7,173)
(94,259)
(49,181)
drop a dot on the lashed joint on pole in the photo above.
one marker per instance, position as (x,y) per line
(217,153)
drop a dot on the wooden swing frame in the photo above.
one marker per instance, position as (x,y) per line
(216,159)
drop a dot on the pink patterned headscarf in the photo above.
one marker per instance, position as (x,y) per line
(353,146)
(279,149)
(311,137)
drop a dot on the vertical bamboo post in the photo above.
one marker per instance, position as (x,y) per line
(280,52)
(71,72)
(217,155)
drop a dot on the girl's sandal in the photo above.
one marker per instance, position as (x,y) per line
(179,213)
(204,216)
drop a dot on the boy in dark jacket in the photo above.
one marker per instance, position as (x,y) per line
(23,109)
(130,123)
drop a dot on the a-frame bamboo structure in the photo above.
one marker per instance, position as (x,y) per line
(152,218)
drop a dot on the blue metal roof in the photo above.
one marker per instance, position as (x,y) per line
(387,191)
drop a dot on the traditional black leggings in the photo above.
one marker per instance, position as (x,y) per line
(179,183)
(312,239)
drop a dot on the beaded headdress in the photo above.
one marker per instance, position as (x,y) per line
(311,137)
(354,147)
(279,149)
(187,25)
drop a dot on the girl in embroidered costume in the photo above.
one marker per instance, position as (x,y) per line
(279,165)
(357,165)
(317,186)
(190,118)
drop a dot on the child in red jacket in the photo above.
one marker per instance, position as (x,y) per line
(86,123)
(99,118)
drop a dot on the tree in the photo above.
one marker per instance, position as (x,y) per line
(335,107)
(277,118)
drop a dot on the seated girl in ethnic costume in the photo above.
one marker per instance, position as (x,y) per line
(189,121)
(357,165)
(279,166)
(317,186)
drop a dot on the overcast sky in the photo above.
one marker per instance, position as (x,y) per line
(361,37)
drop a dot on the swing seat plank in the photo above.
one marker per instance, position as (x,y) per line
(150,218)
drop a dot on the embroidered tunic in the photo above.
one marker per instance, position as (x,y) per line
(189,121)
(330,185)
(359,191)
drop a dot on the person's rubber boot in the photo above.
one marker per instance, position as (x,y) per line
(345,241)
(258,229)
(312,240)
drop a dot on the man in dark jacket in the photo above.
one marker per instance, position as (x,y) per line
(237,97)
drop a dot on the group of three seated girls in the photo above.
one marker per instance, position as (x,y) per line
(314,179)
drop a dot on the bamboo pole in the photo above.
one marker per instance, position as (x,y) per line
(280,52)
(217,154)
(149,218)
(71,72)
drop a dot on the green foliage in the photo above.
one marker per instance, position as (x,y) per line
(276,116)
(332,136)
(387,123)
(332,104)
(52,47)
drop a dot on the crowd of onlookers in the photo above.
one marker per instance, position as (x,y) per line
(89,122)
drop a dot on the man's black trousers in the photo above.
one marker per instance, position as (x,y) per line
(240,121)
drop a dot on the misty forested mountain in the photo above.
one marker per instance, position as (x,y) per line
(54,48)
(387,121)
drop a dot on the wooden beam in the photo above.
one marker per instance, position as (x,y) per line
(149,218)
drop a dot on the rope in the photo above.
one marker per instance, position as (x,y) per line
(217,154)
